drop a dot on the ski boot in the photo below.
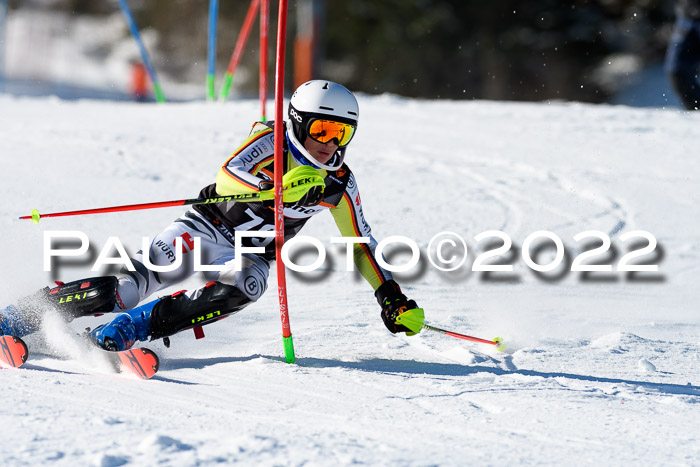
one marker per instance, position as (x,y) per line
(14,323)
(124,330)
(86,297)
(169,315)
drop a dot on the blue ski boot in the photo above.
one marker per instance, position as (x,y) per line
(124,330)
(14,323)
(169,315)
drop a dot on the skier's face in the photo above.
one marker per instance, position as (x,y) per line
(322,152)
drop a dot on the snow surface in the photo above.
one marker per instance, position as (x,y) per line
(599,369)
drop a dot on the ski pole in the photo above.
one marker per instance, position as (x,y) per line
(35,216)
(296,183)
(414,320)
(497,342)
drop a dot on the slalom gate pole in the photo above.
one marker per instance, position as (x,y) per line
(497,342)
(35,216)
(144,54)
(211,49)
(238,49)
(278,168)
(264,27)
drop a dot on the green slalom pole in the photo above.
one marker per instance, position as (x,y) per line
(289,355)
(158,92)
(238,49)
(226,86)
(211,94)
(211,49)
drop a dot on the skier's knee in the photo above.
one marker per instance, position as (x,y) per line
(253,285)
(128,292)
(177,312)
(251,280)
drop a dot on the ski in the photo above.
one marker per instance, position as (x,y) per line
(140,362)
(13,351)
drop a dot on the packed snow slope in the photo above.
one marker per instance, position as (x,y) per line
(600,368)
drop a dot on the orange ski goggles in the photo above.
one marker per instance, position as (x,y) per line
(324,131)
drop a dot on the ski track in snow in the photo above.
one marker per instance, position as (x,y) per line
(603,370)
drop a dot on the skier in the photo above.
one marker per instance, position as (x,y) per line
(323,118)
(683,54)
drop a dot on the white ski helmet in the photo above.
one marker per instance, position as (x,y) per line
(324,100)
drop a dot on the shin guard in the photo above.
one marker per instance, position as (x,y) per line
(96,295)
(177,312)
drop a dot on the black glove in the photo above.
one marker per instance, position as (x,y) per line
(266,185)
(393,302)
(311,198)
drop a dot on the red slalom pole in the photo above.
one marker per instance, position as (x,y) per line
(238,49)
(264,26)
(497,342)
(278,168)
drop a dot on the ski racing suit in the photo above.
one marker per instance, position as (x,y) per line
(215,224)
(228,290)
